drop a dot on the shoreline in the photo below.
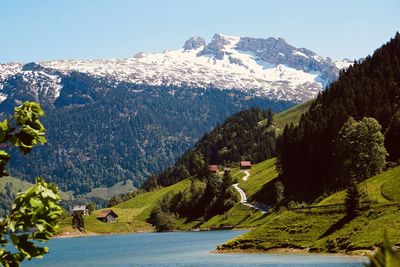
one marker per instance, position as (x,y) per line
(304,251)
(77,233)
(88,234)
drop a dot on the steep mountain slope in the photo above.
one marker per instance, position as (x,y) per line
(370,88)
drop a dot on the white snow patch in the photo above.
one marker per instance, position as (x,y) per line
(343,64)
(299,53)
(2,97)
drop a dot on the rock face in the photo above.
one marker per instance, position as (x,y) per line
(276,51)
(217,46)
(194,43)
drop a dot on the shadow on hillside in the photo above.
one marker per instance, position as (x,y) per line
(336,226)
(265,195)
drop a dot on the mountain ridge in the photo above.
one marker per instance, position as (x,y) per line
(270,67)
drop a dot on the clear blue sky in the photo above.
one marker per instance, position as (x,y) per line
(88,29)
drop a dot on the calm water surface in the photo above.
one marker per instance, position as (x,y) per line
(170,249)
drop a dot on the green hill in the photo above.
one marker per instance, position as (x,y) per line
(146,202)
(382,188)
(108,192)
(325,229)
(132,214)
(19,186)
(288,116)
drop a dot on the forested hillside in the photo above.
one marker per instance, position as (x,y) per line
(370,88)
(102,131)
(240,137)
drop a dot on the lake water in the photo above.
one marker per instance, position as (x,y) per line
(170,249)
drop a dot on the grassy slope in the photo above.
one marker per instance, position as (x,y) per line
(260,174)
(148,200)
(108,192)
(382,188)
(326,230)
(19,186)
(132,214)
(291,115)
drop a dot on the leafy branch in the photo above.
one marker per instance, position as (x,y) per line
(35,213)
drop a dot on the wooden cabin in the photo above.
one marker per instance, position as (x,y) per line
(245,165)
(81,209)
(213,168)
(107,216)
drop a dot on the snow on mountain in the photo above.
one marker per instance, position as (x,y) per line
(9,69)
(268,67)
(32,79)
(344,64)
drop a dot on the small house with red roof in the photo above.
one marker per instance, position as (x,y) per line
(213,168)
(245,165)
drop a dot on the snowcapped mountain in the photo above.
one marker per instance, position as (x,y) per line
(266,67)
(116,119)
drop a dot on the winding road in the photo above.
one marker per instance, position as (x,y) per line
(243,197)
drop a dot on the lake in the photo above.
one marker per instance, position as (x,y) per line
(171,249)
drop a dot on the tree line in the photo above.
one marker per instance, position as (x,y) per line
(206,197)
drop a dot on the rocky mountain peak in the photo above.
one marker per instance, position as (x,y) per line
(194,43)
(218,44)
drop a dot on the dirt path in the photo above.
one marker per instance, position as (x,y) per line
(243,197)
(247,175)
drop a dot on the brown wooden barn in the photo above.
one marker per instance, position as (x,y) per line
(245,165)
(107,216)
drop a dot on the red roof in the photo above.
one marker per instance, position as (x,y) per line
(245,163)
(105,213)
(213,168)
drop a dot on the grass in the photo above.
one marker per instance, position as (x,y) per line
(328,230)
(260,175)
(239,216)
(148,200)
(288,116)
(20,186)
(382,188)
(322,231)
(291,115)
(124,224)
(285,229)
(132,214)
(108,192)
